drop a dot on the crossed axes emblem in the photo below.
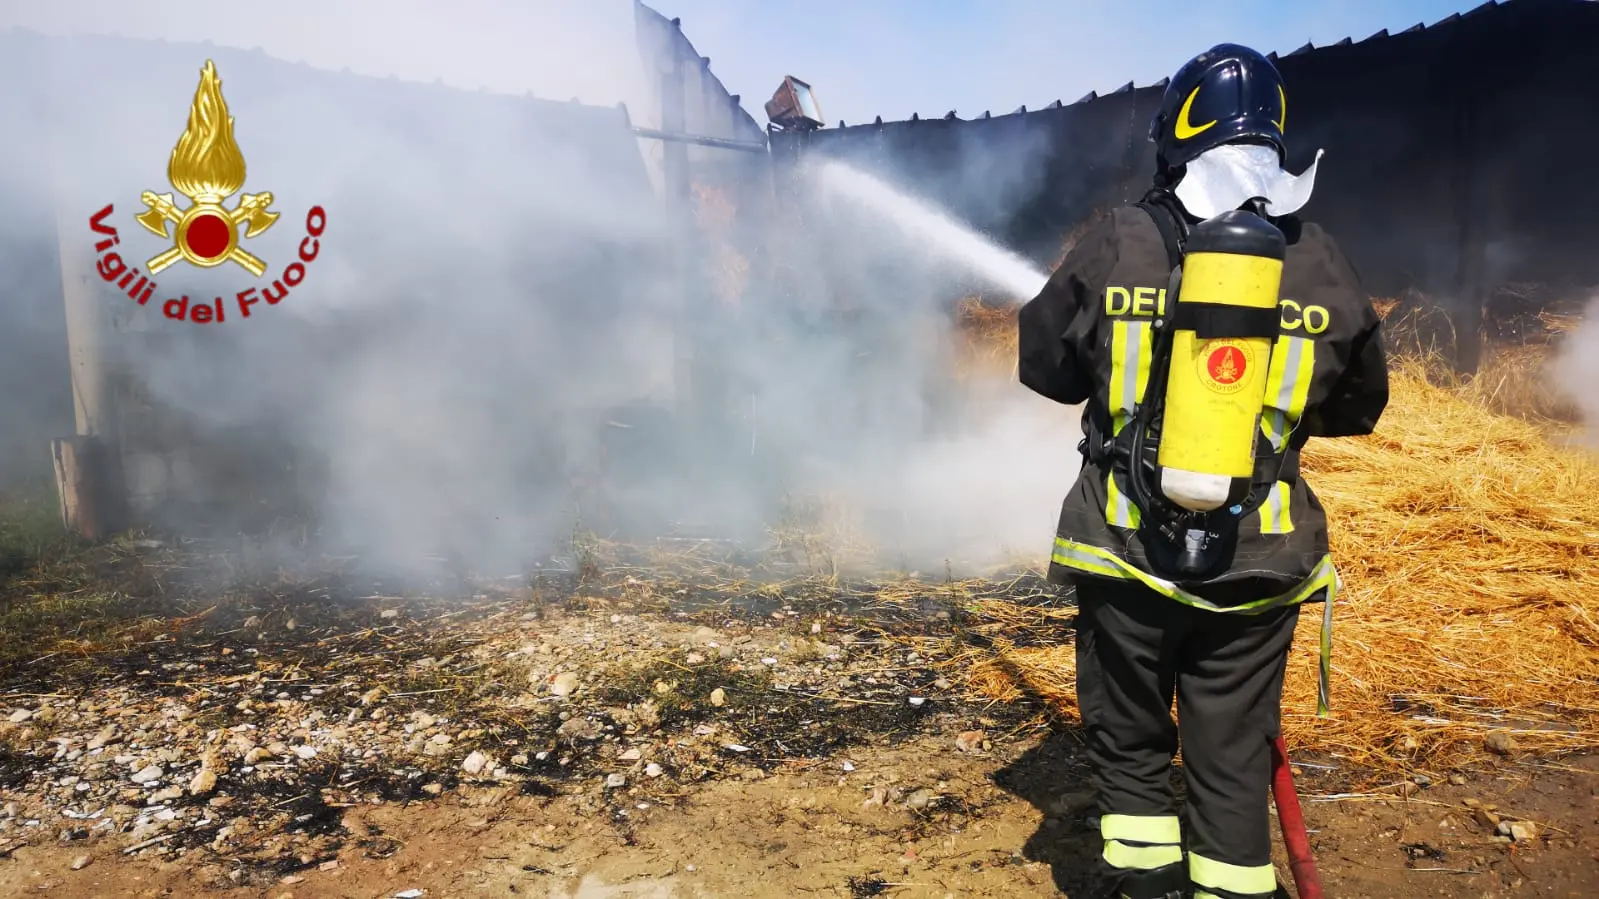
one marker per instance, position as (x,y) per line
(252,211)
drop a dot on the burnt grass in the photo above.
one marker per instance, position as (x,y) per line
(16,768)
(162,623)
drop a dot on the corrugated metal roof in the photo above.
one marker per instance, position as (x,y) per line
(1418,28)
(678,43)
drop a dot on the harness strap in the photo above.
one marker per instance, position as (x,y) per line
(1107,452)
(1212,322)
(1173,230)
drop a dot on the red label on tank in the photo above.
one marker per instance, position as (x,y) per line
(1226,365)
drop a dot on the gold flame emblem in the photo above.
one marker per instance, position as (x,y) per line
(207,168)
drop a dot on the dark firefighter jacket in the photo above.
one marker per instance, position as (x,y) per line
(1086,338)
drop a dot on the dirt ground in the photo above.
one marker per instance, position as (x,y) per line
(324,740)
(818,832)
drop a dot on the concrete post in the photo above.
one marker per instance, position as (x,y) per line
(88,466)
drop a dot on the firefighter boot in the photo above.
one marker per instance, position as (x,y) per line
(1168,882)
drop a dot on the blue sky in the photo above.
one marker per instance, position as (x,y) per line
(895,57)
(864,57)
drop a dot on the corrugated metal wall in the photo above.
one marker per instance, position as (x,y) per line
(1455,154)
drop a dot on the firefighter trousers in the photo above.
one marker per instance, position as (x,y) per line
(1136,650)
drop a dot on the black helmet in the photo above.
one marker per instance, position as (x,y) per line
(1228,94)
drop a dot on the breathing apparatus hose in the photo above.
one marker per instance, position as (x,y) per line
(1143,493)
(1170,521)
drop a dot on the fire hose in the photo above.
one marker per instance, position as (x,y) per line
(1307,883)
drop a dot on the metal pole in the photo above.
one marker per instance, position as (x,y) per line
(721,143)
(674,169)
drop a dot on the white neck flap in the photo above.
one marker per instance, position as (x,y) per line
(1225,177)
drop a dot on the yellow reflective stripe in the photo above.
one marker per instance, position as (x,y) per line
(1143,858)
(1141,828)
(1207,872)
(1129,378)
(1324,665)
(1129,369)
(1274,512)
(1104,563)
(1293,363)
(1205,894)
(1119,510)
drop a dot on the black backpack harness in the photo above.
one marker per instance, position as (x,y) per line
(1202,541)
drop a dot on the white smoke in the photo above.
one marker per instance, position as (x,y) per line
(494,300)
(1576,370)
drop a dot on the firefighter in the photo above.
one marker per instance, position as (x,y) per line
(1153,623)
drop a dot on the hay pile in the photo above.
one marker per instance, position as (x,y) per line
(1515,380)
(717,217)
(1469,546)
(987,344)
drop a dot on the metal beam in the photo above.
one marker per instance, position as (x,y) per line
(718,142)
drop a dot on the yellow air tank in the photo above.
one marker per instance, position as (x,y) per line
(1223,328)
